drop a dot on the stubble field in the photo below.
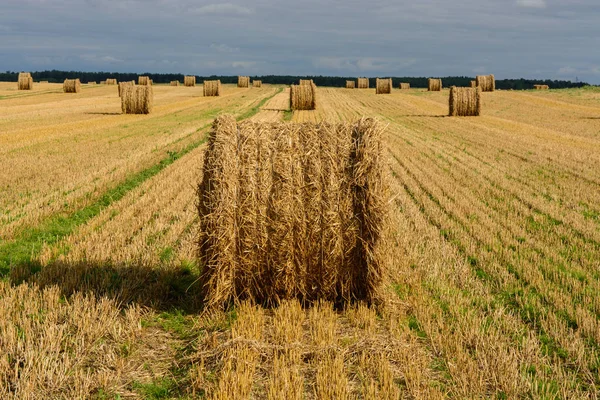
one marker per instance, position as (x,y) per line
(495,260)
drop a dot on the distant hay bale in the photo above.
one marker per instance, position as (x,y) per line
(303,97)
(473,84)
(487,83)
(293,211)
(189,81)
(25,81)
(137,99)
(434,85)
(144,81)
(541,87)
(110,81)
(383,86)
(256,84)
(363,83)
(174,83)
(243,81)
(404,86)
(465,102)
(306,82)
(44,82)
(350,84)
(72,86)
(123,84)
(212,88)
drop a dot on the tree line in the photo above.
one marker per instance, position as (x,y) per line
(56,76)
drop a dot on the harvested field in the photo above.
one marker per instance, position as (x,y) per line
(495,253)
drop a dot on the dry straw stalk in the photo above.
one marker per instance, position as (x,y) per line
(25,81)
(72,86)
(404,86)
(137,99)
(189,81)
(350,84)
(363,83)
(123,84)
(257,84)
(243,81)
(487,83)
(434,85)
(144,80)
(303,97)
(292,211)
(383,86)
(465,102)
(212,88)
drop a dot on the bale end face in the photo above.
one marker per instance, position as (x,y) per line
(323,182)
(464,102)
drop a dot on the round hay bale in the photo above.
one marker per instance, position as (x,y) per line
(306,207)
(404,86)
(383,86)
(123,84)
(306,82)
(541,87)
(72,86)
(465,102)
(243,81)
(189,81)
(350,84)
(137,99)
(256,84)
(144,81)
(25,81)
(303,97)
(487,83)
(212,88)
(363,83)
(434,85)
(174,83)
(111,81)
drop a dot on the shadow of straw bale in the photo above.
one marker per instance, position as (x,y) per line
(157,287)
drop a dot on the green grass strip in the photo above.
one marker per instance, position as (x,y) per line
(29,243)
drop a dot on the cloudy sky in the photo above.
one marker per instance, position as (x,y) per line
(555,39)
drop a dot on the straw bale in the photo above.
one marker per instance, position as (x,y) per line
(212,88)
(137,99)
(464,102)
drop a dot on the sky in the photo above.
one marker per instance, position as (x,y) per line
(549,39)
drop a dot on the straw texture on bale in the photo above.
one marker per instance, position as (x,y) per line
(473,84)
(72,86)
(243,81)
(137,99)
(434,85)
(257,84)
(363,83)
(541,87)
(306,82)
(174,83)
(487,83)
(404,86)
(189,81)
(123,84)
(383,86)
(292,211)
(25,81)
(144,80)
(465,102)
(350,84)
(303,97)
(212,88)
(110,81)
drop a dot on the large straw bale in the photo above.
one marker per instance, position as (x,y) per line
(72,86)
(541,87)
(123,84)
(256,84)
(383,86)
(464,102)
(487,83)
(243,81)
(292,211)
(174,83)
(303,97)
(137,99)
(404,85)
(434,85)
(350,84)
(363,83)
(212,88)
(144,81)
(25,81)
(189,81)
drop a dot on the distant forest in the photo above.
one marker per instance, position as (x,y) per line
(334,81)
